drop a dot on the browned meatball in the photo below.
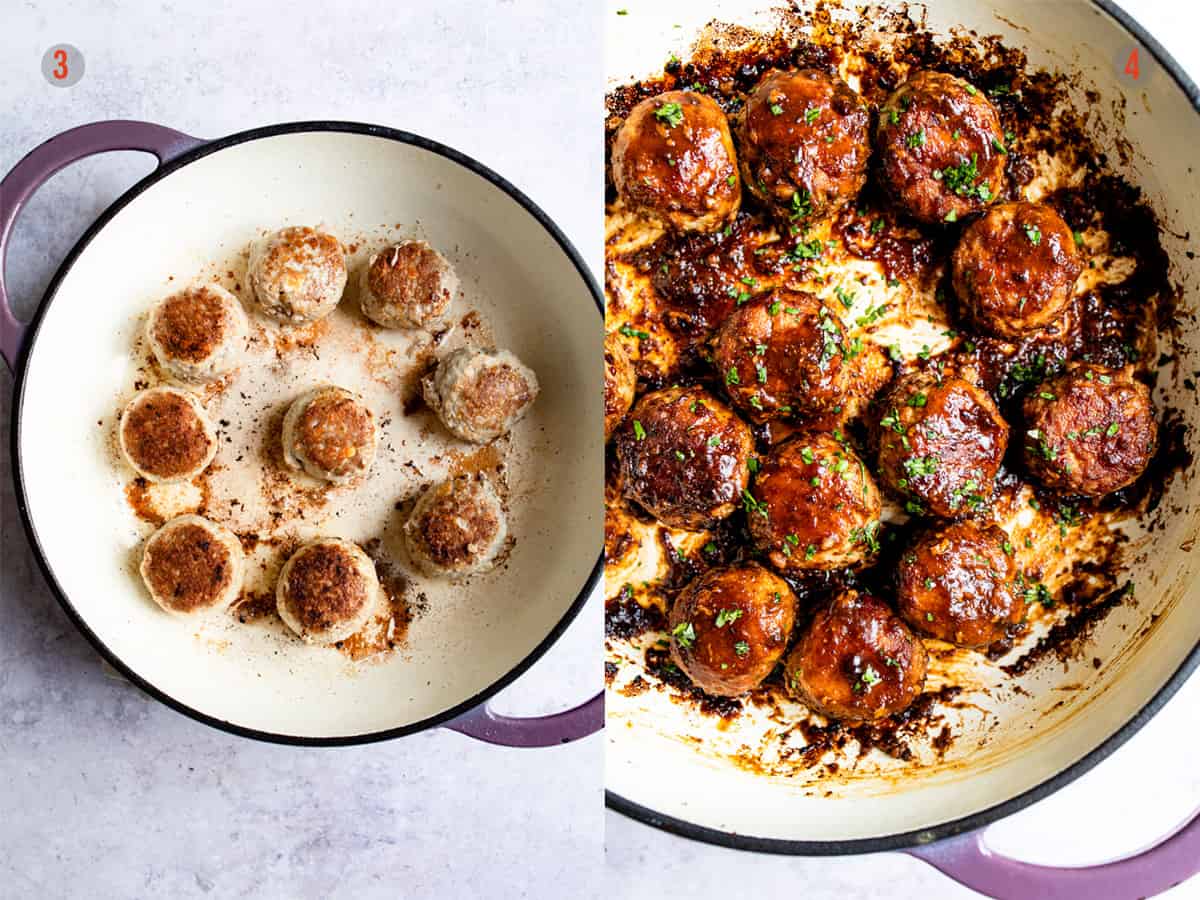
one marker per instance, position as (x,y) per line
(673,160)
(730,626)
(1014,268)
(620,382)
(956,583)
(857,660)
(804,144)
(782,354)
(684,457)
(1089,431)
(940,443)
(941,148)
(816,505)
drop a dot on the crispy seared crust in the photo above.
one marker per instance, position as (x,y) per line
(327,590)
(192,565)
(165,435)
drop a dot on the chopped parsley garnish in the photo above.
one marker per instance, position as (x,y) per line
(634,333)
(742,649)
(801,204)
(776,109)
(811,115)
(638,431)
(867,680)
(961,178)
(918,399)
(731,377)
(1034,234)
(916,139)
(684,634)
(753,505)
(671,113)
(726,616)
(847,297)
(920,465)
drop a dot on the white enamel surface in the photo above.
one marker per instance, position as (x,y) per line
(526,288)
(665,759)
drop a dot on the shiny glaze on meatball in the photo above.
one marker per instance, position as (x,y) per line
(804,144)
(684,457)
(782,354)
(857,660)
(1015,267)
(956,583)
(816,505)
(941,148)
(620,382)
(1090,430)
(730,626)
(673,160)
(939,444)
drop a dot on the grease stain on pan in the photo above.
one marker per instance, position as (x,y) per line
(979,709)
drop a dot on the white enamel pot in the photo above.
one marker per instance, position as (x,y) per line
(71,362)
(658,768)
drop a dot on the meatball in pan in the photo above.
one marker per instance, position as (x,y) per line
(192,565)
(456,528)
(198,334)
(327,591)
(330,434)
(407,285)
(673,160)
(166,436)
(298,274)
(480,394)
(730,626)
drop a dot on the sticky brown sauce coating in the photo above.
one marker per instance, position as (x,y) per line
(335,432)
(1089,431)
(187,567)
(684,457)
(857,660)
(620,383)
(190,324)
(730,627)
(804,135)
(324,587)
(958,582)
(164,436)
(1015,267)
(674,159)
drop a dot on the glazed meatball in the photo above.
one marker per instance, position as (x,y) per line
(816,505)
(956,583)
(197,334)
(1089,431)
(782,354)
(684,457)
(673,160)
(1015,267)
(457,528)
(941,148)
(857,660)
(165,435)
(730,626)
(298,274)
(330,434)
(804,142)
(620,382)
(327,591)
(407,285)
(939,443)
(480,394)
(191,565)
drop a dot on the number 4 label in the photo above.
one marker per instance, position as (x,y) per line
(1131,65)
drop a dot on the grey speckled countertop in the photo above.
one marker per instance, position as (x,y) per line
(105,793)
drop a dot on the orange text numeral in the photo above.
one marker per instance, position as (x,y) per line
(60,71)
(1131,65)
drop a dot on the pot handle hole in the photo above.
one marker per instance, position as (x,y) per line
(484,724)
(44,161)
(969,861)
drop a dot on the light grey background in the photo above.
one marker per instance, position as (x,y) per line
(104,793)
(1130,800)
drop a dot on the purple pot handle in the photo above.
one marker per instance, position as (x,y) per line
(485,725)
(968,861)
(41,163)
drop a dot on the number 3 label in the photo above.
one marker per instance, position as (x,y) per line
(62,65)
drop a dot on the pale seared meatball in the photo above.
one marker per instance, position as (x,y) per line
(480,394)
(816,505)
(1090,430)
(456,528)
(192,566)
(330,434)
(941,148)
(1015,268)
(620,382)
(407,285)
(327,591)
(165,435)
(856,661)
(805,142)
(197,334)
(730,626)
(782,353)
(298,274)
(673,160)
(940,442)
(684,457)
(956,583)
